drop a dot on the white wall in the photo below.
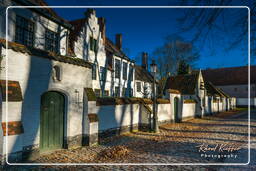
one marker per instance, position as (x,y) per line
(188,110)
(35,77)
(113,116)
(165,112)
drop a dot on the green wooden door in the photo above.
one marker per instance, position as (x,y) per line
(176,108)
(51,121)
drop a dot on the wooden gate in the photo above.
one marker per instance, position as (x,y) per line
(52,121)
(176,109)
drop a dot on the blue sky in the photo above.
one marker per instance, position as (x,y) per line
(145,29)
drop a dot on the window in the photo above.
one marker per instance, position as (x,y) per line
(106,93)
(97,92)
(51,41)
(93,44)
(124,70)
(24,31)
(138,85)
(94,75)
(124,92)
(102,73)
(117,91)
(117,68)
(131,73)
(131,92)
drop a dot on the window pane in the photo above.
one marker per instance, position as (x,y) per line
(24,31)
(117,68)
(94,72)
(138,85)
(102,73)
(91,44)
(125,71)
(117,91)
(51,41)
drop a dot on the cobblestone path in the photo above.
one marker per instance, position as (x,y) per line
(177,143)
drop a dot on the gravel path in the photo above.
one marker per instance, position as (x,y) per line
(176,143)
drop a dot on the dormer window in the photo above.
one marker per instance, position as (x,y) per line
(93,44)
(24,31)
(51,41)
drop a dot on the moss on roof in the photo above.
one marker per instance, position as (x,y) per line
(185,84)
(45,54)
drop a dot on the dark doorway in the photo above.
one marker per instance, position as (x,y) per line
(176,110)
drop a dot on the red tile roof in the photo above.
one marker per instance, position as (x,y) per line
(229,76)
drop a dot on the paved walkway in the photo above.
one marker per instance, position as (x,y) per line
(175,144)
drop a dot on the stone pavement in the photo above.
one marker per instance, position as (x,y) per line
(176,143)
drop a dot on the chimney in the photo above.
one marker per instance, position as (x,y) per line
(144,62)
(102,24)
(90,12)
(119,41)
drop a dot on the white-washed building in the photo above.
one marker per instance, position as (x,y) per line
(191,86)
(112,71)
(234,81)
(46,106)
(143,79)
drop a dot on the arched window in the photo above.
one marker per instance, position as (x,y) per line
(56,73)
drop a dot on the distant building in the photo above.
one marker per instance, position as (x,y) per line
(191,86)
(143,79)
(234,82)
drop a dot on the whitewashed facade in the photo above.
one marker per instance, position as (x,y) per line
(143,79)
(92,45)
(39,64)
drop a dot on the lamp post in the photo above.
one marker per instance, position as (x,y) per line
(153,69)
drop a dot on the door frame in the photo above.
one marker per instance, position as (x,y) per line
(65,118)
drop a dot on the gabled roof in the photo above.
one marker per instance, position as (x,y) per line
(44,54)
(185,84)
(143,75)
(230,76)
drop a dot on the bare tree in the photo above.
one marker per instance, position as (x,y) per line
(228,26)
(172,52)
